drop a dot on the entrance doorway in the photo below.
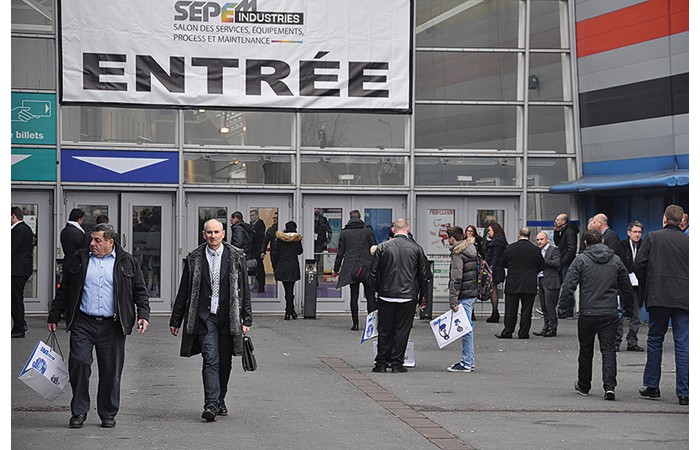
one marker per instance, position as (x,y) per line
(144,225)
(324,218)
(267,213)
(435,215)
(38,214)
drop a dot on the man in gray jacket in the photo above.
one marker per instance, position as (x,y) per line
(600,274)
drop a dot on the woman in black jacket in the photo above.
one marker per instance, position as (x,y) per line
(478,240)
(495,246)
(285,260)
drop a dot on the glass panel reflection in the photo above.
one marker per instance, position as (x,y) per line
(332,130)
(238,128)
(380,219)
(549,171)
(547,129)
(146,246)
(461,171)
(353,170)
(225,168)
(92,212)
(31,218)
(211,212)
(546,17)
(263,282)
(327,226)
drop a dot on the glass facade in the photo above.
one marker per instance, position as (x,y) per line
(493,105)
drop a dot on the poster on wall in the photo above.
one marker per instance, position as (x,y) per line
(438,249)
(284,54)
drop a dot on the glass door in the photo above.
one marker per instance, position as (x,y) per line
(38,215)
(147,233)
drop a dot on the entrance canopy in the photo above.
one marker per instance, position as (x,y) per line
(654,180)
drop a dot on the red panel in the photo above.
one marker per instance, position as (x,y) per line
(628,26)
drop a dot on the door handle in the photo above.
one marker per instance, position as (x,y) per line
(124,240)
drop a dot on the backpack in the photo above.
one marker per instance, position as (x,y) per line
(484,278)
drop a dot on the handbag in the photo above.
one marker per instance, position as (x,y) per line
(249,362)
(360,270)
(252,266)
(46,370)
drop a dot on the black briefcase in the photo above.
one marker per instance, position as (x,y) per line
(248,360)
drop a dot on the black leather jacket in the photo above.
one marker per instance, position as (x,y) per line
(130,294)
(400,269)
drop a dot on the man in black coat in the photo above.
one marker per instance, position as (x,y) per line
(213,301)
(663,268)
(524,261)
(72,235)
(627,251)
(258,227)
(103,296)
(355,241)
(269,239)
(610,238)
(22,261)
(565,239)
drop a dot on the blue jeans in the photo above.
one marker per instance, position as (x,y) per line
(658,325)
(468,339)
(210,363)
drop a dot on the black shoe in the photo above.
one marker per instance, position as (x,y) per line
(77,421)
(379,368)
(109,423)
(293,314)
(562,316)
(579,389)
(354,327)
(683,400)
(287,316)
(223,411)
(651,393)
(539,333)
(400,369)
(635,348)
(17,333)
(609,395)
(550,333)
(209,415)
(503,336)
(495,317)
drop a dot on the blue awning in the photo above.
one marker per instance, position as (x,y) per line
(652,180)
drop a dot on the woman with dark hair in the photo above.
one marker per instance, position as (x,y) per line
(478,240)
(285,260)
(495,246)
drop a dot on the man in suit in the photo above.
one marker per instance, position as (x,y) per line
(524,261)
(565,239)
(548,285)
(610,238)
(213,300)
(22,256)
(258,234)
(627,251)
(72,235)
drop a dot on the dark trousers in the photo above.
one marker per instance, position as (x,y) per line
(217,355)
(354,299)
(548,301)
(567,310)
(260,273)
(107,338)
(289,296)
(17,302)
(394,327)
(605,327)
(512,303)
(635,323)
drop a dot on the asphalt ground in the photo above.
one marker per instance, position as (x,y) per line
(314,389)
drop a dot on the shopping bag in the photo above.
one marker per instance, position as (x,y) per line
(409,358)
(46,370)
(249,362)
(450,326)
(371,330)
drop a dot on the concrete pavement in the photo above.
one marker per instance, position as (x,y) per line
(314,389)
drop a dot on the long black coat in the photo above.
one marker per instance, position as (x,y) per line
(524,261)
(22,250)
(355,237)
(285,256)
(72,240)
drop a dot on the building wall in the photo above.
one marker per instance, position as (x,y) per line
(633,76)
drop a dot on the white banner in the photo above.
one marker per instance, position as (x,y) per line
(290,54)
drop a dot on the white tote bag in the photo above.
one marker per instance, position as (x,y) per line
(371,330)
(409,358)
(450,326)
(46,371)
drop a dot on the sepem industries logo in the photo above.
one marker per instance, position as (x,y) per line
(245,11)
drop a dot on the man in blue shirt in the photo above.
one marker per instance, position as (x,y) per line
(102,295)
